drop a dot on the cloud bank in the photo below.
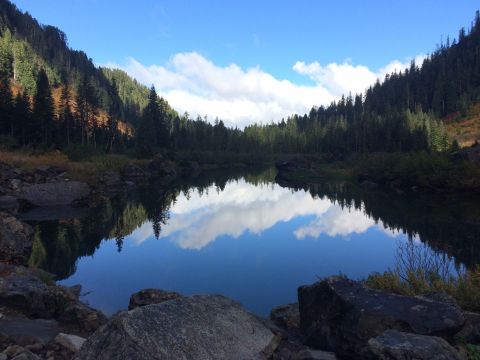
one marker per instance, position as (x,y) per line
(194,84)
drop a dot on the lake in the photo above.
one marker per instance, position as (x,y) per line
(242,235)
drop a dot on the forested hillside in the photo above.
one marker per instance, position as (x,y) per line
(400,114)
(53,97)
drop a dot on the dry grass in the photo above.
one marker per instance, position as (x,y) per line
(420,271)
(466,130)
(86,170)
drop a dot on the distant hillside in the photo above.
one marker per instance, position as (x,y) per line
(26,46)
(402,113)
(464,128)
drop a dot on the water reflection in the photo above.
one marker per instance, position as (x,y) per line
(198,218)
(246,237)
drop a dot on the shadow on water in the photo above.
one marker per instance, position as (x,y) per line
(449,224)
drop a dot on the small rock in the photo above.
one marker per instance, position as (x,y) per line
(396,345)
(8,202)
(71,342)
(286,316)
(151,296)
(82,316)
(15,184)
(16,352)
(470,333)
(36,347)
(311,354)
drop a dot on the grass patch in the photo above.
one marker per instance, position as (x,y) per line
(85,170)
(420,271)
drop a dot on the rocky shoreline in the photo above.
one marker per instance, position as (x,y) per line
(335,318)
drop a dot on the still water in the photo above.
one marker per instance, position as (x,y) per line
(246,237)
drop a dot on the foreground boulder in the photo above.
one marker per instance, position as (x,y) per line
(151,296)
(396,345)
(55,193)
(197,327)
(15,240)
(32,293)
(22,289)
(341,315)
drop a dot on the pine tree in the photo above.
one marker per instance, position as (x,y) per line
(146,132)
(23,118)
(6,105)
(66,116)
(43,110)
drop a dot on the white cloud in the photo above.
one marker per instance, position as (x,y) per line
(193,83)
(344,78)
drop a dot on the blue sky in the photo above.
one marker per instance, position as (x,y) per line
(169,43)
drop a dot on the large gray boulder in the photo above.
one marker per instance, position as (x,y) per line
(396,345)
(198,327)
(341,315)
(15,240)
(55,193)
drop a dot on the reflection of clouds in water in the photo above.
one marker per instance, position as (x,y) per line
(142,233)
(241,207)
(197,221)
(337,221)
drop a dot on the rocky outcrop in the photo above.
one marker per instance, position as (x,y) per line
(342,315)
(32,293)
(55,193)
(396,345)
(22,289)
(197,327)
(151,296)
(15,240)
(72,343)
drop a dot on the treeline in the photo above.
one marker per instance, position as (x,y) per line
(54,97)
(403,113)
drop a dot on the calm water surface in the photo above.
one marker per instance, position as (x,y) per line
(244,236)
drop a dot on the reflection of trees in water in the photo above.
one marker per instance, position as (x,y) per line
(447,223)
(58,244)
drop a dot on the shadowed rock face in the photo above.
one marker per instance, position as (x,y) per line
(55,193)
(393,344)
(197,327)
(342,315)
(22,289)
(15,240)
